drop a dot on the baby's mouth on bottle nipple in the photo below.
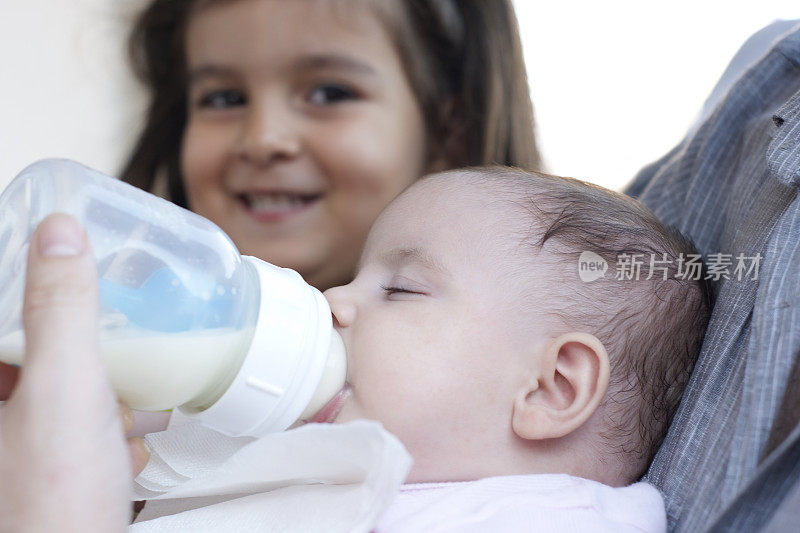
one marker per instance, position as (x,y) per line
(331,410)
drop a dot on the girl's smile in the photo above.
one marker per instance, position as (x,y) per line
(301,127)
(277,206)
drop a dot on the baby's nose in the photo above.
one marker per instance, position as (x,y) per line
(342,307)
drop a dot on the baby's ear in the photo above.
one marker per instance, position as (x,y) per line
(572,380)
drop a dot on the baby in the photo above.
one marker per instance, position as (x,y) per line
(525,336)
(473,337)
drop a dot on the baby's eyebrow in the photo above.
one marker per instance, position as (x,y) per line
(401,256)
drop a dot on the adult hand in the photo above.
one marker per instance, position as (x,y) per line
(64,462)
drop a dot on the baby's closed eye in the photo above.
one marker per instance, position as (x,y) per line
(400,286)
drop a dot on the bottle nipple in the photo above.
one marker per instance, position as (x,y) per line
(333,378)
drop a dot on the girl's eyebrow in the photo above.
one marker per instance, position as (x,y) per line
(335,61)
(307,63)
(209,71)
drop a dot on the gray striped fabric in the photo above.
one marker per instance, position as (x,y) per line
(785,517)
(771,500)
(731,186)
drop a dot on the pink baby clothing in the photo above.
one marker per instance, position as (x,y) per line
(529,503)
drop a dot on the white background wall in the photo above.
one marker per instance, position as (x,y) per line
(615,83)
(65,88)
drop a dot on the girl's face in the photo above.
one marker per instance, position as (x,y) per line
(302,127)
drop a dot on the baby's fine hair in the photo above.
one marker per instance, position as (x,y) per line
(463,59)
(652,325)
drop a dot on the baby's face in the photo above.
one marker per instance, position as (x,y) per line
(435,337)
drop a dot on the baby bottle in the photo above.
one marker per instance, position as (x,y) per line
(244,346)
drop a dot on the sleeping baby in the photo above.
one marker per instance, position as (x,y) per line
(527,338)
(472,337)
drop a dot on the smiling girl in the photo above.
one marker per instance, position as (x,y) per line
(292,124)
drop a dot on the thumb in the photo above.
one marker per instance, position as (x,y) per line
(61,425)
(60,308)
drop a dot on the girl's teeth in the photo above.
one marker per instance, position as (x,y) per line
(274,202)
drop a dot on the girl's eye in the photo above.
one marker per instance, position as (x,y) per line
(222,99)
(330,93)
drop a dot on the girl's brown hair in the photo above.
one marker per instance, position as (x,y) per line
(463,59)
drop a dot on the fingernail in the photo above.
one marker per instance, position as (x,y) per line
(60,236)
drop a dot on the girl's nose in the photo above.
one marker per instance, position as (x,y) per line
(342,306)
(269,133)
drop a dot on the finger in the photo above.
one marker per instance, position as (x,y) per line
(126,415)
(139,454)
(60,312)
(148,422)
(8,378)
(67,435)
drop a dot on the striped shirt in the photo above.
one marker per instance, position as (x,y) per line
(731,187)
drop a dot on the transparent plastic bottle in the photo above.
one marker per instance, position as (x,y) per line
(185,320)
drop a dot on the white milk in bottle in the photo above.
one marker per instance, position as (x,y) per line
(245,347)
